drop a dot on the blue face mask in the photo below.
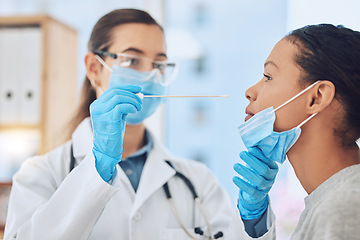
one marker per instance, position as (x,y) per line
(258,132)
(150,85)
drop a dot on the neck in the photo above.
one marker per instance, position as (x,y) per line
(134,139)
(316,157)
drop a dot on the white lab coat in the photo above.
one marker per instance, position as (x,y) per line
(48,202)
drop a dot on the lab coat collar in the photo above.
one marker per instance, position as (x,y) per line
(155,174)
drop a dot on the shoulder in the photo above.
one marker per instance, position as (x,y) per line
(339,212)
(197,172)
(343,191)
(345,200)
(346,193)
(191,167)
(203,179)
(181,164)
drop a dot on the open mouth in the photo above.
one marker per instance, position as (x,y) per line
(248,117)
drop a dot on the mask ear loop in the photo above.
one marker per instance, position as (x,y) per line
(306,120)
(294,97)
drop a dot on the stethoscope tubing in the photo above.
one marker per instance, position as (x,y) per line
(196,199)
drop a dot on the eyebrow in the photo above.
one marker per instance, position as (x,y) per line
(141,52)
(270,62)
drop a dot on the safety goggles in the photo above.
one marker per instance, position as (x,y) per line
(168,70)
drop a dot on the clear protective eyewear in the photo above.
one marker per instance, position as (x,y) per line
(168,70)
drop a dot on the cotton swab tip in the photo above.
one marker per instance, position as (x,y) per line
(140,95)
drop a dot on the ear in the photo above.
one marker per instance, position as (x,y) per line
(93,69)
(321,96)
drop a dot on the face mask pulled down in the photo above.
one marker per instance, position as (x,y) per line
(258,132)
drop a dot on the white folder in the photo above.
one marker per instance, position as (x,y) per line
(30,75)
(9,76)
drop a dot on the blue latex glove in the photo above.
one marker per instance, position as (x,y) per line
(256,179)
(108,114)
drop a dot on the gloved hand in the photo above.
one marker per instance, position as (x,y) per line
(108,114)
(256,179)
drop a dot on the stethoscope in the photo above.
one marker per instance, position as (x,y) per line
(191,187)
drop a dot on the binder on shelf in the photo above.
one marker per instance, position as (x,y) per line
(38,62)
(30,76)
(20,75)
(9,76)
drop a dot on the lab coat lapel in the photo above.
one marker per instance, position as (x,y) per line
(82,139)
(155,174)
(122,181)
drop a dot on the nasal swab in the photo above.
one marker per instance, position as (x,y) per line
(141,96)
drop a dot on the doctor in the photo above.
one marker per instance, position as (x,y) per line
(109,180)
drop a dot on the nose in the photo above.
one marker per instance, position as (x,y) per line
(250,94)
(147,66)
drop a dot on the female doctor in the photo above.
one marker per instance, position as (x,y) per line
(109,180)
(305,106)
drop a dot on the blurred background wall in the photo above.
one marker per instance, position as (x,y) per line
(221,47)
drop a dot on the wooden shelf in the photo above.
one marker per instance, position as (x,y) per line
(58,76)
(4,196)
(56,60)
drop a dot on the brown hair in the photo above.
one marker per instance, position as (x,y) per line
(101,39)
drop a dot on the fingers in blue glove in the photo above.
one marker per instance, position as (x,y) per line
(108,100)
(267,169)
(100,108)
(129,88)
(257,180)
(121,90)
(259,155)
(257,176)
(256,194)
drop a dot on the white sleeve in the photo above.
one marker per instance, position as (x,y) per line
(40,209)
(237,230)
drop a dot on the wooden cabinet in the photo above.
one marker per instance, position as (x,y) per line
(38,80)
(4,198)
(38,72)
